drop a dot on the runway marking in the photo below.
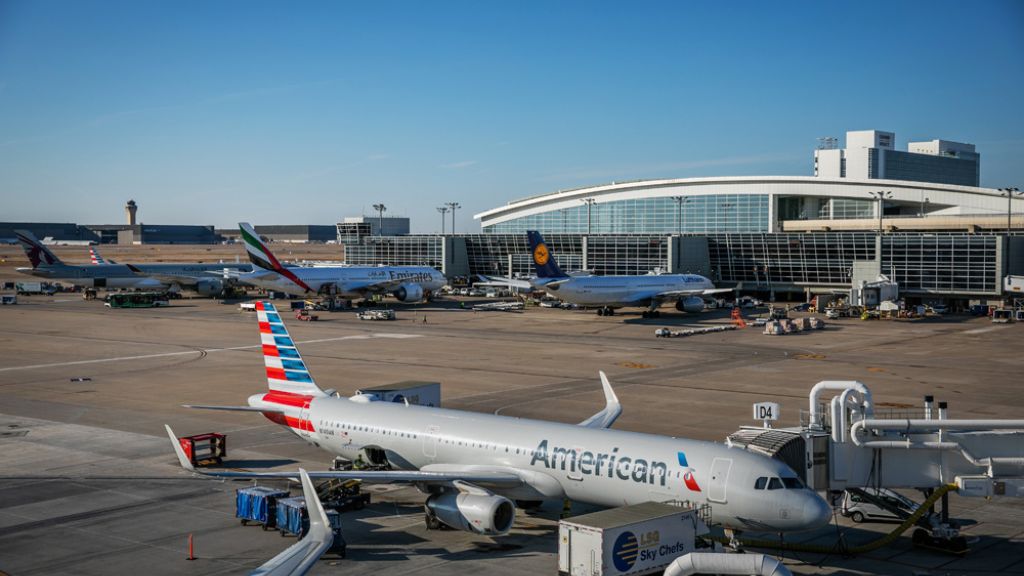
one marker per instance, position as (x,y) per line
(206,351)
(983,330)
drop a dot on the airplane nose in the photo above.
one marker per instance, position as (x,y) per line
(817,512)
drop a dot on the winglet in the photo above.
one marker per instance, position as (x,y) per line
(182,459)
(319,526)
(612,408)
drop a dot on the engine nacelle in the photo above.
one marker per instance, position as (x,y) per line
(692,304)
(489,515)
(409,293)
(210,286)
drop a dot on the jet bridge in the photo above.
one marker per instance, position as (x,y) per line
(845,443)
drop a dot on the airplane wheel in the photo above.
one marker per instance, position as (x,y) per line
(857,517)
(656,314)
(600,311)
(645,314)
(609,312)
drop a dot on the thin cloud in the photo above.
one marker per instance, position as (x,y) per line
(459,165)
(665,169)
(314,174)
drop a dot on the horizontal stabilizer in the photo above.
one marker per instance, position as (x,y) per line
(235,408)
(612,409)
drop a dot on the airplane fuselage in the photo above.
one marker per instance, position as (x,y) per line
(617,291)
(348,281)
(121,276)
(600,466)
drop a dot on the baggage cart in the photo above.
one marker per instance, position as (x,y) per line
(258,504)
(203,449)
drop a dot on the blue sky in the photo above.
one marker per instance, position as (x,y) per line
(305,112)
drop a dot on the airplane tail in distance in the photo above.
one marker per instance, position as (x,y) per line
(286,372)
(544,263)
(38,254)
(94,256)
(262,257)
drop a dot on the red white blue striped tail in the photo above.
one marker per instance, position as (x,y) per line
(286,372)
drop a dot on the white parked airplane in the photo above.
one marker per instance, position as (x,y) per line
(407,283)
(205,278)
(474,465)
(606,293)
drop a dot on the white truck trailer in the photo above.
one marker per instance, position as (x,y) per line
(627,541)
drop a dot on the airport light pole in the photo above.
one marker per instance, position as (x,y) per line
(1009,193)
(880,195)
(590,203)
(380,208)
(680,200)
(443,210)
(453,206)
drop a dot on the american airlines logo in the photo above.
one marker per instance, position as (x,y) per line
(613,465)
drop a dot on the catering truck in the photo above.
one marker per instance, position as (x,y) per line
(628,541)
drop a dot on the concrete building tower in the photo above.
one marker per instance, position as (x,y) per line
(129,212)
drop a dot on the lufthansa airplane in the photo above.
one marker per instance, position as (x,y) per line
(407,283)
(606,293)
(474,466)
(208,279)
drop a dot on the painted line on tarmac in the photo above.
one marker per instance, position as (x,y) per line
(208,351)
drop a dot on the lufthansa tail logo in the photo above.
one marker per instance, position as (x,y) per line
(540,254)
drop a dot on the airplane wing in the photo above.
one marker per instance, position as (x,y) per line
(612,409)
(298,558)
(499,281)
(670,295)
(235,408)
(485,478)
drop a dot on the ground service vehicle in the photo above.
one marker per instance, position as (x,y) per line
(137,300)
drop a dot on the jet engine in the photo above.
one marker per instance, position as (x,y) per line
(409,293)
(691,304)
(210,286)
(489,515)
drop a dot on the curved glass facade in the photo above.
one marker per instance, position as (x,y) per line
(698,215)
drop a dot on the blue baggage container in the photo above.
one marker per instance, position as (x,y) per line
(292,518)
(257,504)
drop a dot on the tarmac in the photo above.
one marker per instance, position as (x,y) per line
(89,484)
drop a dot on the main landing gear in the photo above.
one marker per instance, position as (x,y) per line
(606,311)
(652,314)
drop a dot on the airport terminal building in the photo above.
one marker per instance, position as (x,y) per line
(939,235)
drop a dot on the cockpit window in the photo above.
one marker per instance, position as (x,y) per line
(792,483)
(775,484)
(760,483)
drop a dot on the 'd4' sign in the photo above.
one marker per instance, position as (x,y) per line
(766,411)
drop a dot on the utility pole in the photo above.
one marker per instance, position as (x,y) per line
(880,195)
(590,203)
(380,208)
(680,200)
(443,210)
(453,206)
(1009,192)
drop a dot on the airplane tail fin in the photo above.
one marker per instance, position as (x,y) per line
(544,263)
(94,256)
(37,253)
(286,372)
(261,256)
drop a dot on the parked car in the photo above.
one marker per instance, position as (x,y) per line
(939,308)
(804,307)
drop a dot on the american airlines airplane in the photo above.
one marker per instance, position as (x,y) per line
(606,293)
(474,466)
(206,279)
(407,283)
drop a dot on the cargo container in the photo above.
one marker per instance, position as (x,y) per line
(627,541)
(416,392)
(292,517)
(258,504)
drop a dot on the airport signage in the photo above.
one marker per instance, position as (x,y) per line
(766,411)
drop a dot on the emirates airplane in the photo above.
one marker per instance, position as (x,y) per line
(474,466)
(406,283)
